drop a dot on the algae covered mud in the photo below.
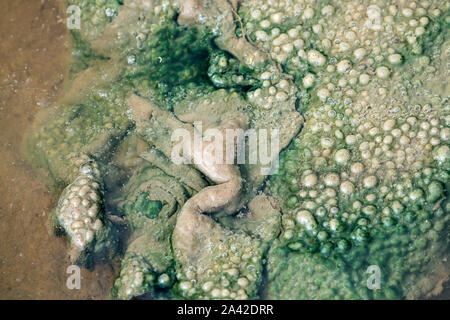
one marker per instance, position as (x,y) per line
(357,205)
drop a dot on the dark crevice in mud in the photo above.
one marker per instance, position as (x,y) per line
(262,291)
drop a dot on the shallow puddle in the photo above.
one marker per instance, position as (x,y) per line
(33,63)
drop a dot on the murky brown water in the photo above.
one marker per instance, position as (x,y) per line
(33,62)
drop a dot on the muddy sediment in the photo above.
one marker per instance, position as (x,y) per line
(34,55)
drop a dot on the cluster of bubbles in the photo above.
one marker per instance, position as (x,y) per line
(77,127)
(374,125)
(233,270)
(137,278)
(79,210)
